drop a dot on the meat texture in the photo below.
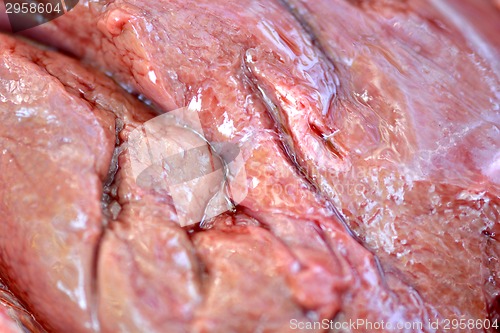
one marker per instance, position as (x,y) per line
(418,174)
(283,254)
(14,317)
(387,110)
(56,148)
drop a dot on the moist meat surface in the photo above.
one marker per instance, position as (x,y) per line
(418,119)
(14,317)
(388,111)
(56,148)
(57,137)
(285,253)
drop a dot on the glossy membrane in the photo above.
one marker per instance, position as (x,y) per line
(381,115)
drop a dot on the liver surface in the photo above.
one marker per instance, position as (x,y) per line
(380,115)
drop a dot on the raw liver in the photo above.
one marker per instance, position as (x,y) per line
(398,129)
(417,117)
(14,318)
(139,270)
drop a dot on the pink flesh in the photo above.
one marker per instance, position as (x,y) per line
(384,165)
(123,284)
(51,227)
(420,180)
(14,318)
